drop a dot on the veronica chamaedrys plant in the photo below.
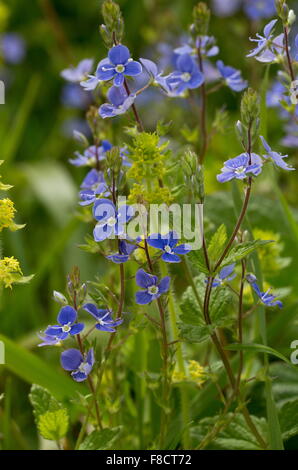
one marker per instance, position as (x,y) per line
(146,275)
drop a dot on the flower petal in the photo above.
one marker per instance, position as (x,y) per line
(92,309)
(133,68)
(71,359)
(77,328)
(67,315)
(143,298)
(164,285)
(144,279)
(119,54)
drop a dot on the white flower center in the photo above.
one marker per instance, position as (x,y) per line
(111,221)
(66,328)
(186,77)
(120,68)
(168,249)
(82,366)
(153,290)
(240,170)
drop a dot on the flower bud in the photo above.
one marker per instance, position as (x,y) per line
(113,29)
(60,298)
(201,18)
(291,18)
(250,107)
(282,10)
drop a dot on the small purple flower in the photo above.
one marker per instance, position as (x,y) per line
(240,168)
(158,79)
(118,65)
(232,76)
(125,250)
(275,94)
(187,76)
(13,48)
(153,288)
(267,46)
(225,7)
(78,73)
(74,97)
(169,245)
(90,83)
(67,318)
(207,46)
(110,222)
(120,102)
(224,275)
(265,297)
(93,187)
(81,366)
(275,157)
(103,317)
(91,154)
(258,9)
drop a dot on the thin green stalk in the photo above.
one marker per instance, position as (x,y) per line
(185,404)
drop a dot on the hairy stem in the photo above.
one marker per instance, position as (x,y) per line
(289,60)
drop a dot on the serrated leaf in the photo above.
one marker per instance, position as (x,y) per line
(53,425)
(42,401)
(242,250)
(197,260)
(194,333)
(100,440)
(288,418)
(233,434)
(217,243)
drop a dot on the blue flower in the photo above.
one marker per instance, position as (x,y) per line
(120,102)
(267,46)
(157,77)
(48,340)
(111,222)
(93,187)
(13,48)
(153,288)
(118,65)
(265,297)
(225,7)
(125,250)
(90,83)
(275,157)
(74,97)
(187,76)
(103,317)
(232,76)
(168,244)
(224,275)
(275,94)
(240,168)
(92,154)
(67,318)
(78,73)
(258,9)
(81,366)
(206,44)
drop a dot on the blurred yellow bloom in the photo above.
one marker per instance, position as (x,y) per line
(9,271)
(7,212)
(195,373)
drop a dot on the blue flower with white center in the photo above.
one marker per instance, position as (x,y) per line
(67,318)
(158,79)
(92,154)
(258,9)
(187,76)
(267,46)
(78,73)
(125,250)
(93,187)
(275,157)
(13,48)
(169,245)
(153,288)
(120,102)
(81,366)
(103,318)
(118,65)
(110,222)
(239,167)
(225,274)
(231,76)
(265,297)
(207,46)
(48,340)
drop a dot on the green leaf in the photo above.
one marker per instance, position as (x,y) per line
(42,401)
(100,440)
(53,425)
(289,419)
(259,348)
(197,260)
(242,250)
(285,383)
(232,434)
(217,242)
(194,333)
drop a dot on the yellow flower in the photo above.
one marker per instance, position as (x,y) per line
(197,372)
(7,212)
(10,271)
